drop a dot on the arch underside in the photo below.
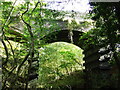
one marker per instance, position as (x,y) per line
(63,36)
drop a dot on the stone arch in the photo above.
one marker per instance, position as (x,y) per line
(91,54)
(59,36)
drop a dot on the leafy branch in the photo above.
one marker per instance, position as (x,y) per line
(3,33)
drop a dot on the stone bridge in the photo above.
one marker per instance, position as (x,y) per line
(92,63)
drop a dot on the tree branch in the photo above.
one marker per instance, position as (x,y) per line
(31,44)
(6,51)
(25,59)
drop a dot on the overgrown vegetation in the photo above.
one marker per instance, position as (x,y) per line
(23,26)
(57,62)
(25,56)
(106,32)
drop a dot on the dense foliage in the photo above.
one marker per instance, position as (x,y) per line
(58,60)
(23,26)
(22,29)
(106,31)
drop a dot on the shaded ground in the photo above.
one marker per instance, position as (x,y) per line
(74,80)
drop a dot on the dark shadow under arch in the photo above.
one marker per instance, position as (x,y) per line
(63,36)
